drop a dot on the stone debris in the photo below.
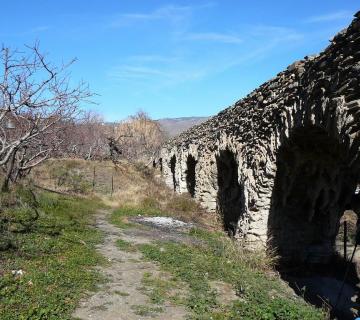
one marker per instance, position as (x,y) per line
(17,273)
(164,222)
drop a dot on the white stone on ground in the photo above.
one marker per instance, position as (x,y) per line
(165,222)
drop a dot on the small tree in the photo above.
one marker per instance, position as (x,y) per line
(84,138)
(35,98)
(139,137)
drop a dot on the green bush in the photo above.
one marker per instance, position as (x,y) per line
(19,212)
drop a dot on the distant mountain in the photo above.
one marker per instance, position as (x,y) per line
(174,126)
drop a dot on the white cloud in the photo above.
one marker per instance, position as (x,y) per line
(275,33)
(171,13)
(153,58)
(214,37)
(39,29)
(165,75)
(188,58)
(29,32)
(135,72)
(328,17)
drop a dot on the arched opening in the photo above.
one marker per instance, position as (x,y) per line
(190,175)
(230,197)
(160,165)
(172,169)
(312,188)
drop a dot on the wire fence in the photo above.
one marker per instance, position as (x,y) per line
(99,177)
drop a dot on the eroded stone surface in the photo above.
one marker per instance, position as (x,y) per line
(295,144)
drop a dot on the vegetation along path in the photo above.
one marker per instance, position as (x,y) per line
(156,256)
(123,297)
(162,268)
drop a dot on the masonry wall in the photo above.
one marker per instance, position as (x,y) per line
(295,141)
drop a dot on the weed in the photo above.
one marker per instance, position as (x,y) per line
(53,259)
(183,203)
(146,311)
(150,203)
(260,296)
(160,289)
(68,174)
(121,293)
(125,246)
(120,216)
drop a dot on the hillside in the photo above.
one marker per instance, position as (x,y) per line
(175,126)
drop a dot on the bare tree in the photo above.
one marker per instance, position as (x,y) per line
(139,137)
(35,98)
(85,138)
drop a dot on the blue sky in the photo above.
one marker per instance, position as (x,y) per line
(174,58)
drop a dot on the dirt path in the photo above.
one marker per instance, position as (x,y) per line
(121,297)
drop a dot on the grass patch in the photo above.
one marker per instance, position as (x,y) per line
(125,246)
(135,187)
(120,216)
(146,311)
(213,259)
(183,203)
(55,256)
(160,290)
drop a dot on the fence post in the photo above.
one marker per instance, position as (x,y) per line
(112,184)
(94,176)
(345,240)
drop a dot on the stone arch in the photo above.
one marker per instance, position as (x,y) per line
(191,174)
(313,185)
(172,169)
(230,196)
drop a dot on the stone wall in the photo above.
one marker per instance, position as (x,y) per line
(280,165)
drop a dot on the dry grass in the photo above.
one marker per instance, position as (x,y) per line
(351,218)
(237,252)
(134,185)
(142,189)
(58,173)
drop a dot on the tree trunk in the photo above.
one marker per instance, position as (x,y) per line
(7,179)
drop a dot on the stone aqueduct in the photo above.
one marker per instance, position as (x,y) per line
(281,165)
